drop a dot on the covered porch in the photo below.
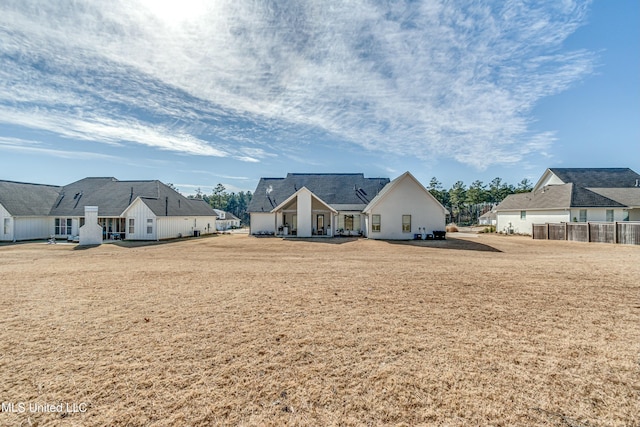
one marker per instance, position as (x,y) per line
(304,215)
(113,228)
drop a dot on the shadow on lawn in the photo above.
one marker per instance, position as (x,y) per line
(449,243)
(143,243)
(338,240)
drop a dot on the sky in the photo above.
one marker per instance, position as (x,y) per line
(197,92)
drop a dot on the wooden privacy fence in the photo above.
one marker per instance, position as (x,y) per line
(627,233)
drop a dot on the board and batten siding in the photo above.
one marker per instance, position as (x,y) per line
(263,222)
(140,213)
(171,227)
(512,220)
(6,225)
(28,228)
(407,197)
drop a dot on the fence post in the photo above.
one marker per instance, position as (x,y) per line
(547,231)
(588,232)
(566,231)
(615,232)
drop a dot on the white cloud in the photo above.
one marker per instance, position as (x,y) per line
(34,147)
(238,79)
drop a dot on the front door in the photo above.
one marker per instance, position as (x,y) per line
(320,224)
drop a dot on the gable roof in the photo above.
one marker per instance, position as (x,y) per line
(391,185)
(333,189)
(563,196)
(225,215)
(111,196)
(595,177)
(488,215)
(24,199)
(294,195)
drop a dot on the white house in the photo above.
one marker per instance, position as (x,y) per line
(132,210)
(403,208)
(308,205)
(226,220)
(573,195)
(488,218)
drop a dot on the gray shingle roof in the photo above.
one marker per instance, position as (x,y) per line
(110,195)
(627,196)
(585,198)
(24,199)
(557,197)
(552,197)
(597,177)
(228,216)
(333,189)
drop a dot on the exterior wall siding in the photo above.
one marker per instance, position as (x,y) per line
(27,228)
(139,213)
(597,214)
(511,220)
(263,222)
(5,215)
(225,224)
(171,227)
(406,198)
(551,179)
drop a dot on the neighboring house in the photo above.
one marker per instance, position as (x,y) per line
(308,205)
(488,218)
(226,220)
(132,210)
(573,195)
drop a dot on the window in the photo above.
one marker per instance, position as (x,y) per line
(149,225)
(523,215)
(7,221)
(132,228)
(609,215)
(63,227)
(406,223)
(625,215)
(348,222)
(375,223)
(583,215)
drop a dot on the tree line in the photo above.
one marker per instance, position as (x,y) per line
(466,204)
(235,203)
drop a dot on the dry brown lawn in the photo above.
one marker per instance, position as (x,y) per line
(238,330)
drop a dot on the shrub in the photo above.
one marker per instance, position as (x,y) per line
(451,228)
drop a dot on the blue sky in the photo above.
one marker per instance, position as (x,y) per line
(198,92)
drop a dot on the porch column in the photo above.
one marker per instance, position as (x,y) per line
(304,213)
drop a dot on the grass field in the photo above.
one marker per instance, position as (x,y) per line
(237,330)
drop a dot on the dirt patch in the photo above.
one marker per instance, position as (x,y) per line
(235,330)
